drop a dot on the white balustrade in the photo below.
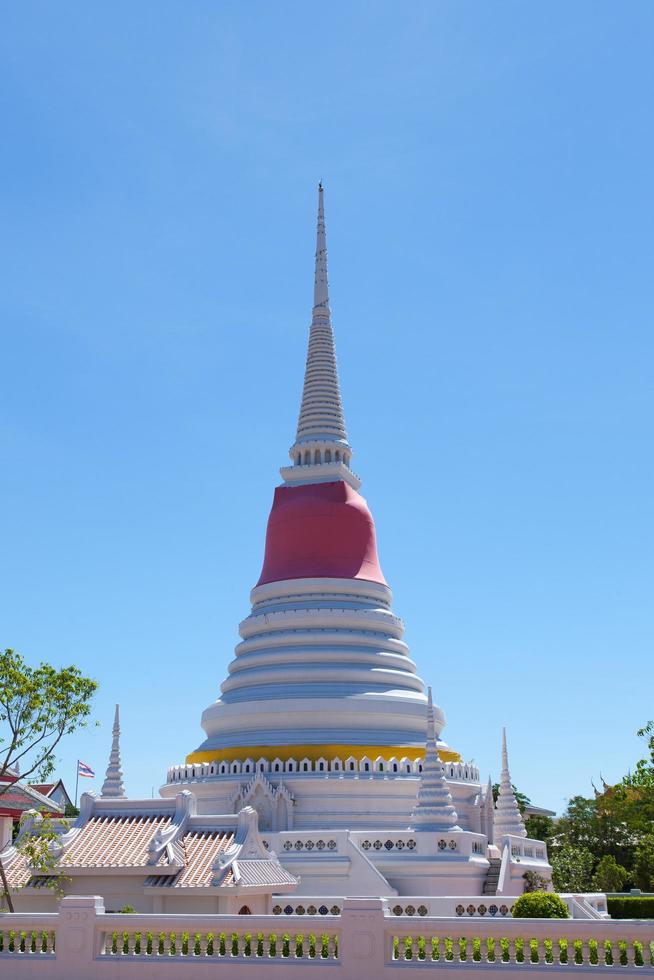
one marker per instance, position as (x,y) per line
(365,940)
(379,768)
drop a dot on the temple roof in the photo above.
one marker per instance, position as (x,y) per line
(184,849)
(201,849)
(115,842)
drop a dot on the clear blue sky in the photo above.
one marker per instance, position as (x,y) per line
(489,194)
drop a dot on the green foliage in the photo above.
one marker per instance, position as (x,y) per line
(37,842)
(644,863)
(643,775)
(599,826)
(38,706)
(631,906)
(572,869)
(127,910)
(539,827)
(609,875)
(540,905)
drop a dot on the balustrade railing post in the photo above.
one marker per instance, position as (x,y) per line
(79,935)
(585,952)
(631,952)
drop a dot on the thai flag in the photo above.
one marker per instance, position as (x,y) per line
(84,770)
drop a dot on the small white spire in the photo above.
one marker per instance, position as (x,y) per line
(433,810)
(321,452)
(113,783)
(507,817)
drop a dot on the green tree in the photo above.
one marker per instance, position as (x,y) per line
(644,863)
(597,825)
(539,827)
(609,875)
(38,706)
(643,775)
(572,869)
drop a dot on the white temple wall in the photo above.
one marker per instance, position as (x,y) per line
(364,801)
(117,891)
(464,879)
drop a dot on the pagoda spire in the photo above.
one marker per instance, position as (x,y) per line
(321,452)
(113,783)
(320,280)
(507,819)
(433,810)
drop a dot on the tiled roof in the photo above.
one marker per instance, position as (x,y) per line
(187,852)
(201,848)
(253,873)
(18,872)
(114,842)
(20,875)
(43,788)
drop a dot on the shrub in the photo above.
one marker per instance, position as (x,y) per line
(631,907)
(540,905)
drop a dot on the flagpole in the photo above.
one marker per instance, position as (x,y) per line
(76,783)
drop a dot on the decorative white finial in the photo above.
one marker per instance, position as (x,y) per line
(320,282)
(433,810)
(507,818)
(113,783)
(321,452)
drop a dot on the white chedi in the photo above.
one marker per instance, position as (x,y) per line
(434,810)
(508,819)
(113,784)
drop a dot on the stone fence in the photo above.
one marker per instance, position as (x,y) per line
(82,942)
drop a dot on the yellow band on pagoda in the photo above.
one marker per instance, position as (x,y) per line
(315,752)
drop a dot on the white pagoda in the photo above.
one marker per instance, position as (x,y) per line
(323,773)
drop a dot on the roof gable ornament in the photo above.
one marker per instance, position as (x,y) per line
(434,810)
(246,846)
(168,840)
(321,452)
